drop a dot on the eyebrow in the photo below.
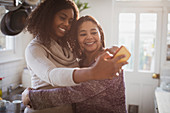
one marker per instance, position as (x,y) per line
(90,30)
(93,29)
(65,15)
(82,31)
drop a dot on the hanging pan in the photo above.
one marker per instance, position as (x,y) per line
(4,28)
(13,22)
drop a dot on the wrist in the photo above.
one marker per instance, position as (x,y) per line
(83,75)
(91,73)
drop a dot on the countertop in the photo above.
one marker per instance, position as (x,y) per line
(14,95)
(163,100)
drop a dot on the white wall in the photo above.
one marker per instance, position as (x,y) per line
(12,71)
(102,11)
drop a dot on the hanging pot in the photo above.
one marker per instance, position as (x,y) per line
(13,22)
(4,28)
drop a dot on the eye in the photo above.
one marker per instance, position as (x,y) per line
(94,33)
(62,18)
(83,34)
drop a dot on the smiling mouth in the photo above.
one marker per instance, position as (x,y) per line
(89,43)
(63,30)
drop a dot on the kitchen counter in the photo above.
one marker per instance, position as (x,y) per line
(14,95)
(162,100)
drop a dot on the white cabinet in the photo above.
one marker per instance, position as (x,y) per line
(162,101)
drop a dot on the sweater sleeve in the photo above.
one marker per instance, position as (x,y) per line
(67,95)
(36,58)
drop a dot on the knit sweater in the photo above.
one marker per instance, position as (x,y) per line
(105,96)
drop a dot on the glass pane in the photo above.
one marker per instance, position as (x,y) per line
(148,26)
(168,39)
(6,42)
(127,34)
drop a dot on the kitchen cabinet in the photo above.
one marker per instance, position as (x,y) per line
(162,101)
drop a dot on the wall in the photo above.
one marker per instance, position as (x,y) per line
(12,71)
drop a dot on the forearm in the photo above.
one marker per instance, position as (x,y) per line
(83,75)
(47,98)
(59,96)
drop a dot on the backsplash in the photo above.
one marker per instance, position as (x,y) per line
(12,72)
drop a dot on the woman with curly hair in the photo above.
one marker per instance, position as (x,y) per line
(97,96)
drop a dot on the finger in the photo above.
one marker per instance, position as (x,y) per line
(121,64)
(118,58)
(113,49)
(105,55)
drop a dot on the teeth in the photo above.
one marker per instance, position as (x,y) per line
(62,29)
(89,43)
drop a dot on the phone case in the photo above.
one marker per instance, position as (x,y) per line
(122,51)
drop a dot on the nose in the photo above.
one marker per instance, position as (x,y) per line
(89,36)
(66,23)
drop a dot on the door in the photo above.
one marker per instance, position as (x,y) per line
(139,29)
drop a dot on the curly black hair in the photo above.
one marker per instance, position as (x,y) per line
(74,35)
(39,22)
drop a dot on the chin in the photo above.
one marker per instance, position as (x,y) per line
(92,50)
(60,35)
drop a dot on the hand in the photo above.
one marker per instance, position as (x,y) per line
(119,74)
(106,67)
(112,50)
(25,97)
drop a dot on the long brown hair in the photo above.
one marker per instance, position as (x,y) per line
(74,35)
(41,19)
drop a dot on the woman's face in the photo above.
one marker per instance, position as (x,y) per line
(62,22)
(89,37)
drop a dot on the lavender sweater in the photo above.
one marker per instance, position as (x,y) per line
(105,96)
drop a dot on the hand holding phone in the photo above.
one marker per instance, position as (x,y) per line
(122,51)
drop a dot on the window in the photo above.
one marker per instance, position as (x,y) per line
(137,30)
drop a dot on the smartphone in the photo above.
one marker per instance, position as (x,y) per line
(122,51)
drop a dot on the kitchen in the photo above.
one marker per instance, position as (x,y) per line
(120,19)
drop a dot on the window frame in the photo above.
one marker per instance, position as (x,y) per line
(13,54)
(164,35)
